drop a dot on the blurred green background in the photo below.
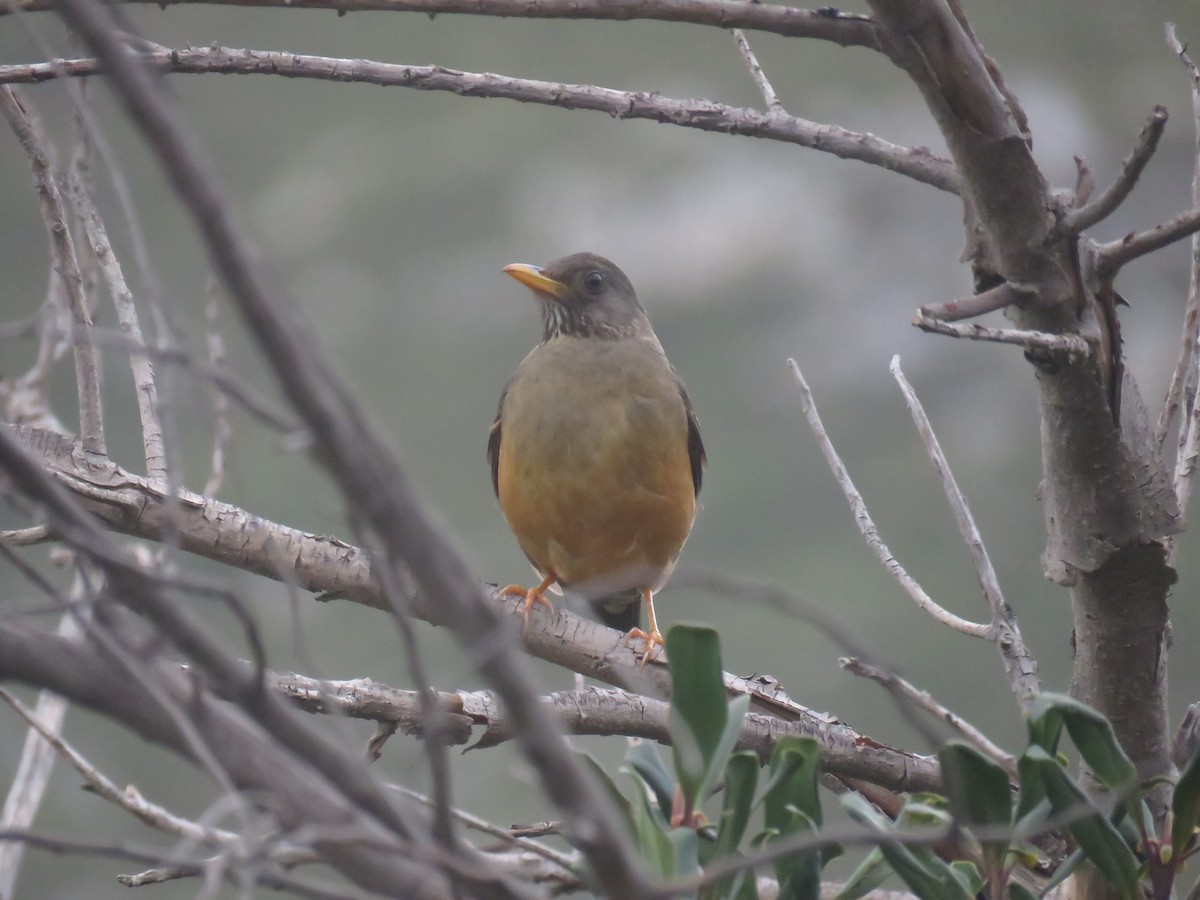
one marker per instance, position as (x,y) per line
(389,212)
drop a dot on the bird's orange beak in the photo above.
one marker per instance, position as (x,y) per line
(532,277)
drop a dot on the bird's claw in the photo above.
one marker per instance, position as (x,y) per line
(651,639)
(533,597)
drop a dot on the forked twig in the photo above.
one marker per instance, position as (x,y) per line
(1078,220)
(866,525)
(87,368)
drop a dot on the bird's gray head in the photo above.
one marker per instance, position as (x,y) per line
(584,295)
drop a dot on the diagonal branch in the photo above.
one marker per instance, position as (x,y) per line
(336,569)
(1022,668)
(918,163)
(359,460)
(87,365)
(923,700)
(1111,257)
(1078,220)
(866,524)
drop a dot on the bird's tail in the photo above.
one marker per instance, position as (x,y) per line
(621,611)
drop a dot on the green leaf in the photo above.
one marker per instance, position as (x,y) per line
(1017,891)
(643,761)
(736,714)
(1185,805)
(968,876)
(651,828)
(1032,805)
(1045,721)
(980,797)
(799,874)
(623,805)
(1096,836)
(920,869)
(870,874)
(741,778)
(699,712)
(792,783)
(685,856)
(1093,734)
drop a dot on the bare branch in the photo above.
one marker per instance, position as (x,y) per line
(1186,376)
(566,861)
(32,777)
(866,525)
(1002,295)
(922,699)
(1078,220)
(222,431)
(916,163)
(364,468)
(1004,631)
(1072,345)
(600,711)
(129,799)
(1112,256)
(27,537)
(87,371)
(127,318)
(847,29)
(1186,743)
(756,71)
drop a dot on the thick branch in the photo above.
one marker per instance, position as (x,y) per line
(600,711)
(301,796)
(227,534)
(917,163)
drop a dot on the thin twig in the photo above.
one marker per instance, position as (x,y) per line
(756,71)
(33,773)
(27,537)
(916,163)
(1004,630)
(222,430)
(1078,220)
(1002,295)
(1041,341)
(568,861)
(87,369)
(1112,256)
(122,298)
(130,799)
(922,699)
(866,525)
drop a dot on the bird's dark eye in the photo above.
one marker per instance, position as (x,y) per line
(593,281)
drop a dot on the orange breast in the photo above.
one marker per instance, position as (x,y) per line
(594,476)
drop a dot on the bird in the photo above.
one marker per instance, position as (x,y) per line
(595,450)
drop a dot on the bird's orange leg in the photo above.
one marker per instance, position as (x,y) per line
(654,637)
(532,596)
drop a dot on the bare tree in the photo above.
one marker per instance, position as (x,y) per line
(131,646)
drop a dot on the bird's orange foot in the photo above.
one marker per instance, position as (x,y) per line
(651,639)
(533,596)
